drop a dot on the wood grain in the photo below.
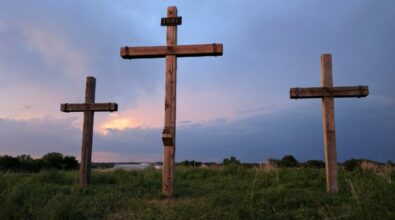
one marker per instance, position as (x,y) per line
(89,108)
(87,133)
(81,107)
(327,92)
(336,92)
(170,109)
(177,50)
(328,123)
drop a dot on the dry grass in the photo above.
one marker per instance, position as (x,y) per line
(384,170)
(268,167)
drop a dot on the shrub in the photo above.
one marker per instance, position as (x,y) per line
(288,161)
(314,164)
(9,163)
(352,164)
(191,163)
(70,163)
(230,160)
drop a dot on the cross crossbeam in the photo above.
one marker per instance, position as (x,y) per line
(178,50)
(96,107)
(327,92)
(171,52)
(88,108)
(336,92)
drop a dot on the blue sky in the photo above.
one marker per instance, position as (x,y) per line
(237,104)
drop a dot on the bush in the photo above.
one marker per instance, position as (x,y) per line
(53,160)
(70,163)
(288,161)
(25,163)
(191,163)
(9,163)
(230,160)
(314,164)
(352,164)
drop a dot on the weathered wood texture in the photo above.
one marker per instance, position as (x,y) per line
(170,110)
(328,123)
(87,133)
(336,92)
(327,92)
(97,107)
(171,51)
(89,107)
(177,50)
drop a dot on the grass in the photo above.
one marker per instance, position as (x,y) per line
(232,192)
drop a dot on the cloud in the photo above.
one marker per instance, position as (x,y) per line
(234,104)
(364,130)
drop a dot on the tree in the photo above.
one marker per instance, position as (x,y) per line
(352,164)
(230,160)
(289,161)
(70,163)
(314,164)
(8,163)
(53,160)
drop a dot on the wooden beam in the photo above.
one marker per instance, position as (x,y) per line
(177,50)
(87,133)
(328,124)
(337,92)
(169,147)
(97,107)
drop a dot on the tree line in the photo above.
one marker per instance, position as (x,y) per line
(289,161)
(25,163)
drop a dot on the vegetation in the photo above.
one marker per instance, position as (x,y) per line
(25,163)
(191,163)
(228,192)
(231,160)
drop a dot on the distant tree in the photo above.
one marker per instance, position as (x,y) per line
(9,163)
(230,160)
(352,164)
(53,160)
(28,164)
(191,163)
(390,163)
(24,157)
(70,163)
(275,162)
(314,164)
(289,161)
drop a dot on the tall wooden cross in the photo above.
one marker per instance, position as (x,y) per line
(327,92)
(89,107)
(171,51)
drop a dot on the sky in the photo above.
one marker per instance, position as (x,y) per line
(232,105)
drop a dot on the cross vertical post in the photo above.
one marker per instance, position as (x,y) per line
(328,123)
(87,133)
(327,93)
(89,107)
(170,109)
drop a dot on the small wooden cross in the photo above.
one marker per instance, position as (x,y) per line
(327,92)
(89,107)
(171,51)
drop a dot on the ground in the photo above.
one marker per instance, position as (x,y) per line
(231,192)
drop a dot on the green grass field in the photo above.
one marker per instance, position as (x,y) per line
(232,192)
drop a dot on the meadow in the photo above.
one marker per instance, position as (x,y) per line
(229,192)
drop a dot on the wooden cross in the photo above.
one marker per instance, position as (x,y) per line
(89,107)
(171,51)
(327,92)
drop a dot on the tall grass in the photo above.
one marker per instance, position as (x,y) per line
(232,192)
